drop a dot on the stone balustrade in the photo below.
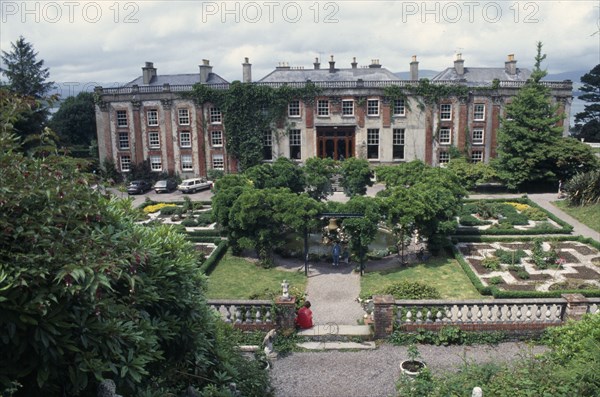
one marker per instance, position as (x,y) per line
(517,316)
(246,314)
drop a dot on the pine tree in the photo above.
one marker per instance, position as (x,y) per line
(529,132)
(27,77)
(587,123)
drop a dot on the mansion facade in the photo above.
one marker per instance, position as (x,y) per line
(148,119)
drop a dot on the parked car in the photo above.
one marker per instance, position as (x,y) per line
(194,185)
(165,186)
(138,187)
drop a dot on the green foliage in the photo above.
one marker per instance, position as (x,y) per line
(75,120)
(510,257)
(27,78)
(283,173)
(571,368)
(446,336)
(89,294)
(356,176)
(470,173)
(317,174)
(528,133)
(491,263)
(470,220)
(583,189)
(249,112)
(587,123)
(496,280)
(410,290)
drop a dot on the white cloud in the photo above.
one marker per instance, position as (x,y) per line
(177,35)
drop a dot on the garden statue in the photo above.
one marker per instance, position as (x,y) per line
(286,294)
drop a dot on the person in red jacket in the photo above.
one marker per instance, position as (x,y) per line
(304,317)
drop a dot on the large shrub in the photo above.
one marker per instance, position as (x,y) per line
(584,189)
(411,290)
(86,294)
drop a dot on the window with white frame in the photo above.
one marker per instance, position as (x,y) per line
(125,161)
(373,107)
(399,108)
(444,157)
(155,163)
(322,107)
(476,156)
(152,116)
(295,145)
(185,139)
(153,140)
(477,137)
(183,116)
(218,163)
(186,162)
(216,138)
(373,143)
(445,137)
(294,109)
(398,143)
(216,117)
(445,111)
(479,112)
(268,145)
(348,107)
(123,140)
(121,118)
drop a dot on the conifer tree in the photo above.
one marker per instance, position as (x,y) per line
(587,123)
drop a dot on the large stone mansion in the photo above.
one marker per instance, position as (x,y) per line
(149,120)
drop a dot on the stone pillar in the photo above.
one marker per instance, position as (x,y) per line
(285,314)
(577,306)
(383,315)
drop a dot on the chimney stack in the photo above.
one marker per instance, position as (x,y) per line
(317,64)
(205,70)
(246,71)
(331,65)
(414,68)
(374,64)
(354,64)
(148,72)
(459,65)
(510,66)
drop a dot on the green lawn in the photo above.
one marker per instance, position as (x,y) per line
(237,278)
(588,215)
(443,273)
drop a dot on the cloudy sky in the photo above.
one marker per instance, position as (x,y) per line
(90,42)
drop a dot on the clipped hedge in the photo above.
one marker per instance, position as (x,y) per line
(564,229)
(206,233)
(499,294)
(210,263)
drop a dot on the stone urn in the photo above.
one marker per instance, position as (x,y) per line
(412,368)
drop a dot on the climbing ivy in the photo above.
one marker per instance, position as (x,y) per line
(249,111)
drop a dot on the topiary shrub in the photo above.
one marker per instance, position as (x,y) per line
(410,290)
(189,222)
(170,210)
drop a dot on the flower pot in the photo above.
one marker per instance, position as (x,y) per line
(412,367)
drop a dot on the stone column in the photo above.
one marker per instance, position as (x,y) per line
(383,315)
(285,314)
(577,306)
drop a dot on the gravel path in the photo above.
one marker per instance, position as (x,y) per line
(374,373)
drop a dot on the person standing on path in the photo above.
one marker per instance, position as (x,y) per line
(336,251)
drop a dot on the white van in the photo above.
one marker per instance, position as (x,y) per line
(194,185)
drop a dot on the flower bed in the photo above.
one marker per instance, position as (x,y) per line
(502,217)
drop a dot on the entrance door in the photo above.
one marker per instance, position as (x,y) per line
(335,142)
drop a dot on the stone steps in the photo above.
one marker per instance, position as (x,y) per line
(332,332)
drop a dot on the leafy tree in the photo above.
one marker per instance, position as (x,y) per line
(356,176)
(86,293)
(284,173)
(226,191)
(587,123)
(317,174)
(27,77)
(406,174)
(471,173)
(75,120)
(428,205)
(528,132)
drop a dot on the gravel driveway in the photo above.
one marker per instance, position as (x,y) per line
(374,373)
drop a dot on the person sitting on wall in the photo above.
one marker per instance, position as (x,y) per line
(304,316)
